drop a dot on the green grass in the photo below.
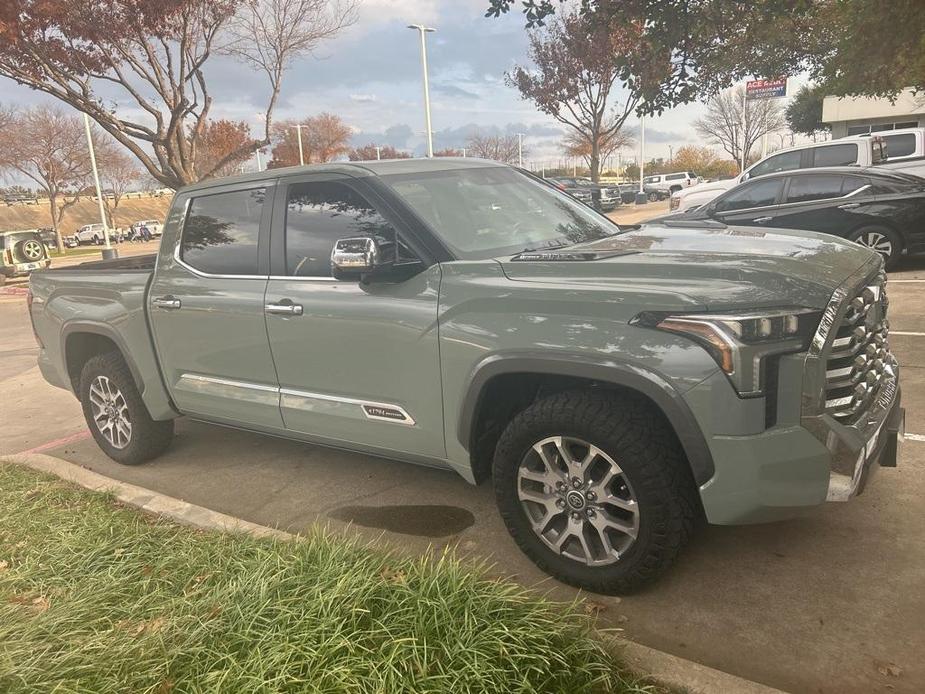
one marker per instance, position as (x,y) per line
(99,598)
(71,252)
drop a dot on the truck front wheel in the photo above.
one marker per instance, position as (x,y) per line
(594,488)
(116,414)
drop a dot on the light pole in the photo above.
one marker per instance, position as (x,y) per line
(641,195)
(421,29)
(378,153)
(298,132)
(108,252)
(520,149)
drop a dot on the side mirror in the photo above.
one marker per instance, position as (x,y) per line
(744,177)
(353,258)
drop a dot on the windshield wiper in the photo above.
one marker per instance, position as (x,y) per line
(552,247)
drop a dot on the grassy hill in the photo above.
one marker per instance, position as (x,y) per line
(86,211)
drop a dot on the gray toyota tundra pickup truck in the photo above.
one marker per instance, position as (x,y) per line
(617,385)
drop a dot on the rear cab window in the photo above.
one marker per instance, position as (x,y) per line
(902,145)
(836,155)
(221,232)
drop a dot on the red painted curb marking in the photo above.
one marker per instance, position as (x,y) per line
(73,438)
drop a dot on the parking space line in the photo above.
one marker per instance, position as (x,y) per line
(892,281)
(915,437)
(906,334)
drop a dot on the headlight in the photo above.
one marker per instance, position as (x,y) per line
(740,342)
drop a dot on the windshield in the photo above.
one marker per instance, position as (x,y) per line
(485,212)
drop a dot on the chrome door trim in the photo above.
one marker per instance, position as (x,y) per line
(287,397)
(229,388)
(371,409)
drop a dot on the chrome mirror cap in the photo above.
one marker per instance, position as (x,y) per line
(355,256)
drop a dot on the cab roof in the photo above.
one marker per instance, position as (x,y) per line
(358,169)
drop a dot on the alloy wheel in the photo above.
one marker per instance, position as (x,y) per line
(877,242)
(578,500)
(110,412)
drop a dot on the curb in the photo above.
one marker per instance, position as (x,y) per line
(664,668)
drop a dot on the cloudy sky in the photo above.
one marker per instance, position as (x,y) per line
(370,75)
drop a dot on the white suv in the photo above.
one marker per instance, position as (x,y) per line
(671,183)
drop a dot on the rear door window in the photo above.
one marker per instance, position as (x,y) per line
(748,195)
(221,232)
(818,187)
(836,155)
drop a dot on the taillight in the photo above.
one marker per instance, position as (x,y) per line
(8,256)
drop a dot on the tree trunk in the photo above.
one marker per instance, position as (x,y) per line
(53,204)
(595,161)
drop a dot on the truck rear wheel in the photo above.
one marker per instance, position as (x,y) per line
(594,488)
(117,416)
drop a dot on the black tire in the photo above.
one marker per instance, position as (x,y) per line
(630,430)
(653,197)
(149,438)
(862,235)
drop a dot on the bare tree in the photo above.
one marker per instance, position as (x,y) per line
(503,148)
(324,138)
(118,172)
(575,145)
(49,147)
(371,152)
(723,122)
(573,78)
(152,54)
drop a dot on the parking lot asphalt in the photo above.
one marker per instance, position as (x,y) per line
(831,602)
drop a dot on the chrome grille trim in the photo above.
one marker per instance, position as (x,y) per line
(859,362)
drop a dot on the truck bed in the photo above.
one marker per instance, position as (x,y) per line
(134,262)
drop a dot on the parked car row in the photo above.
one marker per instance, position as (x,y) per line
(878,208)
(602,197)
(899,150)
(94,234)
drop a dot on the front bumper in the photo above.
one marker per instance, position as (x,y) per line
(813,449)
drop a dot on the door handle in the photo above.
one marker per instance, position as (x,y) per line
(166,302)
(849,205)
(284,309)
(762,220)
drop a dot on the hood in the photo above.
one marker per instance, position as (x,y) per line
(703,266)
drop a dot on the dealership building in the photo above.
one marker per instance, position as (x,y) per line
(853,115)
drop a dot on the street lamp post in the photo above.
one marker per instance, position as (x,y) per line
(641,195)
(298,132)
(421,29)
(108,252)
(520,149)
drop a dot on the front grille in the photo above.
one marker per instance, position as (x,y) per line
(860,361)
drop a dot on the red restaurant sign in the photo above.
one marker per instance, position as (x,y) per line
(766,89)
